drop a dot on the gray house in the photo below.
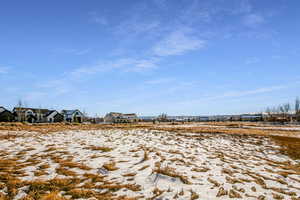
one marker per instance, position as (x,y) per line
(73,116)
(54,116)
(31,115)
(6,115)
(115,117)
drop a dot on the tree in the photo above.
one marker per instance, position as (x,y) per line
(268,111)
(20,103)
(287,108)
(281,109)
(297,105)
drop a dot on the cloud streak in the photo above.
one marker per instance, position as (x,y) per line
(177,43)
(253,20)
(4,70)
(122,64)
(94,17)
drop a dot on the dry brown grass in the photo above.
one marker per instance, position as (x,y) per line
(194,195)
(52,196)
(130,174)
(40,173)
(117,186)
(80,193)
(56,127)
(228,130)
(69,163)
(110,166)
(200,169)
(222,192)
(66,172)
(214,182)
(168,171)
(144,167)
(93,177)
(289,146)
(99,148)
(44,166)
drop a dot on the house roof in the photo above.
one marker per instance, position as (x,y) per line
(69,112)
(52,111)
(116,114)
(130,115)
(2,109)
(36,110)
(49,113)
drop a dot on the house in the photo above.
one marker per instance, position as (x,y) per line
(147,118)
(53,116)
(203,119)
(30,115)
(73,116)
(252,118)
(114,117)
(6,115)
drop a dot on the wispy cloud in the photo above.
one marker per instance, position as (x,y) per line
(35,96)
(252,60)
(122,64)
(159,81)
(177,43)
(135,26)
(72,51)
(160,3)
(96,18)
(236,94)
(253,20)
(251,92)
(57,86)
(243,6)
(4,70)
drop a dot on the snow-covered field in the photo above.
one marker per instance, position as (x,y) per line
(145,164)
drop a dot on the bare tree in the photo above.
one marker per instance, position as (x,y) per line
(287,108)
(268,111)
(275,110)
(281,109)
(297,105)
(20,103)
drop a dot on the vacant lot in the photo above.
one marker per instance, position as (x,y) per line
(147,162)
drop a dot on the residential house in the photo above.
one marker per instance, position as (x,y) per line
(147,118)
(114,117)
(53,116)
(252,117)
(30,115)
(6,115)
(203,119)
(73,116)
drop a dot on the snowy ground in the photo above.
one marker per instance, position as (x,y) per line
(146,164)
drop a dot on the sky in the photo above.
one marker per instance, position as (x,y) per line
(180,57)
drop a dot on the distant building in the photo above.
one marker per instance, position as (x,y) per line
(203,119)
(114,117)
(6,115)
(53,116)
(73,116)
(147,118)
(30,115)
(252,117)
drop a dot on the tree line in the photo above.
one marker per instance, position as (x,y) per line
(285,112)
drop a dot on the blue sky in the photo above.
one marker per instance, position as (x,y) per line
(189,57)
